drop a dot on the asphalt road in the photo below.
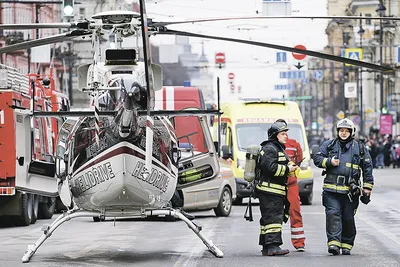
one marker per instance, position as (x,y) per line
(82,242)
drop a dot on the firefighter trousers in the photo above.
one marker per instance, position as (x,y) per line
(340,225)
(272,210)
(296,220)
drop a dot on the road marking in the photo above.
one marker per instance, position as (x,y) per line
(381,230)
(198,248)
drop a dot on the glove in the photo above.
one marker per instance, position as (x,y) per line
(286,210)
(292,173)
(365,199)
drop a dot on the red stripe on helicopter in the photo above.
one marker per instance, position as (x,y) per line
(149,124)
(164,98)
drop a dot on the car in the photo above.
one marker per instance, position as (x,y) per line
(217,194)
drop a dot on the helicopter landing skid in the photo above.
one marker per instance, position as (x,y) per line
(49,229)
(193,226)
(71,214)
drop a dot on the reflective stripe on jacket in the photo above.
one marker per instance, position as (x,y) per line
(351,165)
(274,170)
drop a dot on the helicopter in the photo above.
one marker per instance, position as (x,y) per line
(121,158)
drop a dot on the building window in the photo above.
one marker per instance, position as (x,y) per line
(368,21)
(82,13)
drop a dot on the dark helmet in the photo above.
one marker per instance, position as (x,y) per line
(276,128)
(348,124)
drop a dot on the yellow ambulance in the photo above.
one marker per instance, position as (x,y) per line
(246,122)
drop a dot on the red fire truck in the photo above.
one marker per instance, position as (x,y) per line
(28,187)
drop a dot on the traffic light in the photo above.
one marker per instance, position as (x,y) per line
(68,8)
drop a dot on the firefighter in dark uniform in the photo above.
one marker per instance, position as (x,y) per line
(271,189)
(343,159)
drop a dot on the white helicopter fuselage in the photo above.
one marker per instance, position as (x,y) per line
(118,179)
(111,173)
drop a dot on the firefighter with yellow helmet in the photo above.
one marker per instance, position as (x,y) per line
(344,159)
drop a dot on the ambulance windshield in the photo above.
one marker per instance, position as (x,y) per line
(254,133)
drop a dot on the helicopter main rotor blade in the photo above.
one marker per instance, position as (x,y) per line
(162,24)
(283,48)
(44,41)
(41,26)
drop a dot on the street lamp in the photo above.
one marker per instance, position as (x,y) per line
(381,12)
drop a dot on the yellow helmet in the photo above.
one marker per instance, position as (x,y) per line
(348,124)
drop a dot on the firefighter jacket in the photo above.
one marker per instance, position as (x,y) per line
(273,166)
(353,162)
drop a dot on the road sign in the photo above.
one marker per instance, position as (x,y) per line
(318,75)
(219,58)
(297,55)
(231,76)
(353,53)
(350,90)
(294,74)
(340,115)
(280,57)
(398,54)
(283,87)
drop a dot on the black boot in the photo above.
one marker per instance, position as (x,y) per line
(334,250)
(264,250)
(274,250)
(346,251)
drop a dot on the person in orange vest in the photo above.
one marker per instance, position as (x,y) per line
(295,153)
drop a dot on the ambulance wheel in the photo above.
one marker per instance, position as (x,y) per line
(307,200)
(25,217)
(35,208)
(225,204)
(46,208)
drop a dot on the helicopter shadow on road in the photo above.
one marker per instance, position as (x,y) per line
(163,218)
(111,256)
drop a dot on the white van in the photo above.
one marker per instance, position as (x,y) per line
(217,194)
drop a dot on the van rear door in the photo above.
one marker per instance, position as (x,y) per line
(197,166)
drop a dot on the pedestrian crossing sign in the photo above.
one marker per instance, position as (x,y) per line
(353,53)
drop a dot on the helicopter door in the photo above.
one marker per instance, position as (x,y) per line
(198,159)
